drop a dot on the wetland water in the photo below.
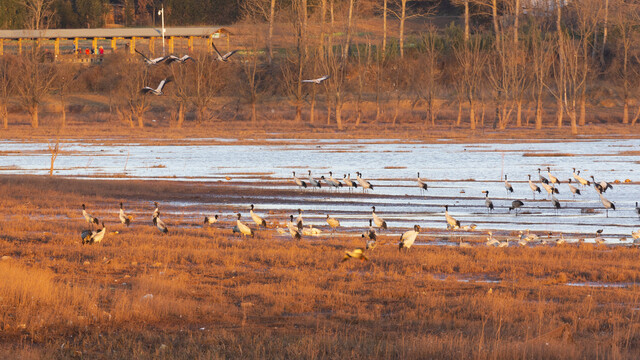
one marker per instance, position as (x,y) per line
(455,173)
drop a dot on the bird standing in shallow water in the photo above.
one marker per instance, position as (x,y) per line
(408,238)
(378,220)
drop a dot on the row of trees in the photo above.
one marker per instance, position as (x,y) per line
(522,64)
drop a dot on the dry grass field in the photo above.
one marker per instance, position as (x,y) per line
(201,292)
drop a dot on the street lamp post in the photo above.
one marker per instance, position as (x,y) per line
(161,12)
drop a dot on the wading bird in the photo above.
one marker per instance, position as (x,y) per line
(90,237)
(210,220)
(491,241)
(543,179)
(299,182)
(314,182)
(357,254)
(556,203)
(244,229)
(553,179)
(408,238)
(333,222)
(317,81)
(257,219)
(363,183)
(515,205)
(550,189)
(90,219)
(607,204)
(299,220)
(331,181)
(574,190)
(637,209)
(507,185)
(124,219)
(602,186)
(151,61)
(221,57)
(452,224)
(422,184)
(350,183)
(293,229)
(579,179)
(158,91)
(533,187)
(160,225)
(378,220)
(487,202)
(172,58)
(371,235)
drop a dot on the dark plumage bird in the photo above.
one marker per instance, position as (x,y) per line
(507,185)
(515,205)
(487,202)
(543,179)
(158,90)
(221,57)
(160,225)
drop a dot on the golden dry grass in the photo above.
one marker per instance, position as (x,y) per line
(202,293)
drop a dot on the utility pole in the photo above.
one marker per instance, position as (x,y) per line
(161,12)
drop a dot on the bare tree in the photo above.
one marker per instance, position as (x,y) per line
(471,60)
(251,81)
(39,13)
(431,71)
(54,150)
(295,61)
(335,65)
(400,12)
(33,77)
(135,76)
(6,88)
(206,83)
(626,17)
(542,51)
(263,10)
(65,75)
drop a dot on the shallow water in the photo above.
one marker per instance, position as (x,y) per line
(456,175)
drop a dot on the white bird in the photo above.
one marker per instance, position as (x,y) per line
(210,219)
(452,223)
(507,185)
(607,204)
(601,186)
(469,227)
(221,57)
(503,243)
(579,179)
(533,187)
(318,80)
(543,179)
(491,241)
(408,238)
(299,182)
(314,182)
(635,235)
(522,241)
(172,58)
(378,220)
(515,205)
(550,189)
(90,237)
(244,229)
(422,184)
(293,229)
(553,179)
(158,91)
(90,219)
(151,61)
(333,222)
(124,219)
(487,202)
(310,231)
(350,183)
(573,189)
(355,254)
(257,219)
(561,240)
(363,183)
(160,225)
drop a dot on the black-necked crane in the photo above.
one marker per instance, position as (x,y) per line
(124,218)
(221,57)
(350,183)
(533,187)
(90,219)
(552,179)
(371,235)
(301,184)
(377,219)
(607,204)
(316,81)
(333,222)
(314,182)
(157,91)
(574,190)
(210,220)
(598,239)
(160,225)
(637,209)
(90,237)
(452,224)
(299,222)
(636,236)
(550,189)
(331,181)
(357,254)
(579,178)
(155,61)
(555,203)
(294,230)
(244,229)
(172,58)
(408,238)
(422,184)
(156,211)
(363,183)
(256,218)
(543,179)
(487,202)
(515,205)
(507,185)
(602,186)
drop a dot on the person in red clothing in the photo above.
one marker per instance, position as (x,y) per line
(101,51)
(87,51)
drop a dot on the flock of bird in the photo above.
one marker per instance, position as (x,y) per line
(181,60)
(295,226)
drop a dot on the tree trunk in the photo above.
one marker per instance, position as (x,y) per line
(323,20)
(5,116)
(298,118)
(494,12)
(140,119)
(574,125)
(604,30)
(539,109)
(459,121)
(516,23)
(180,115)
(63,115)
(466,21)
(560,112)
(270,36)
(472,115)
(312,111)
(384,30)
(339,114)
(583,109)
(345,52)
(402,19)
(625,111)
(34,116)
(519,113)
(254,115)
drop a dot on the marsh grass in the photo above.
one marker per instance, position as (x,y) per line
(203,293)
